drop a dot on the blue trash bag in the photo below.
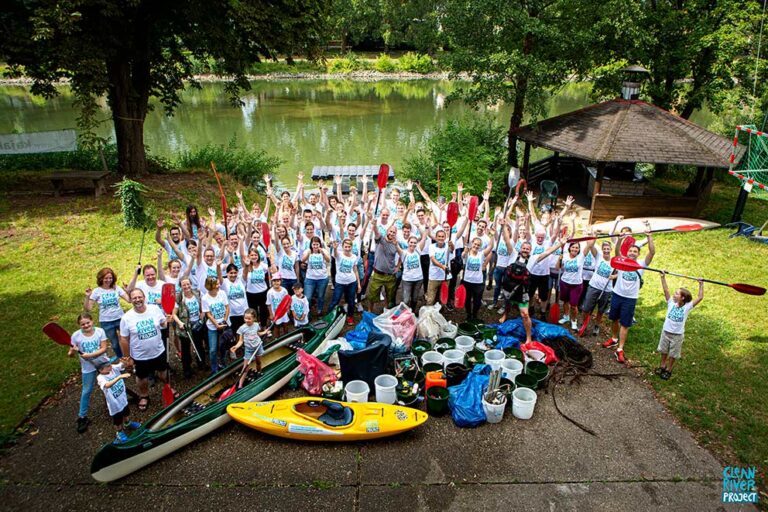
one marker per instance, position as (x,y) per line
(358,337)
(512,328)
(503,342)
(466,399)
(543,331)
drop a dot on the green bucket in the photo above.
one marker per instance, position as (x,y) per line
(488,333)
(468,329)
(526,381)
(514,353)
(474,357)
(477,322)
(443,344)
(432,367)
(419,347)
(437,400)
(537,369)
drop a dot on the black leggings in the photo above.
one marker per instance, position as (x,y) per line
(474,298)
(258,301)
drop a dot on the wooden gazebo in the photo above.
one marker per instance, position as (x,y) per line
(627,132)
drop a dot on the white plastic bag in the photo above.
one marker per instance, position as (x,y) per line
(398,322)
(430,322)
(343,345)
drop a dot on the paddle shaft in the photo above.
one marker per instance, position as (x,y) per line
(192,342)
(688,277)
(223,200)
(679,229)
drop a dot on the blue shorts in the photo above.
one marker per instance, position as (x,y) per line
(622,309)
(249,352)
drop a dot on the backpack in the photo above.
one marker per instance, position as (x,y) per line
(515,274)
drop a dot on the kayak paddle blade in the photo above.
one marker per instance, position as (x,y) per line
(625,264)
(472,208)
(513,177)
(167,395)
(626,244)
(383,176)
(748,289)
(168,298)
(444,293)
(57,334)
(461,296)
(554,313)
(283,307)
(453,213)
(228,393)
(584,325)
(265,235)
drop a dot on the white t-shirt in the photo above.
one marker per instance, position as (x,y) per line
(589,266)
(316,267)
(674,323)
(441,254)
(541,268)
(572,267)
(257,279)
(153,294)
(285,264)
(473,269)
(412,267)
(236,296)
(274,298)
(503,255)
(116,395)
(109,303)
(193,305)
(143,333)
(628,283)
(86,345)
(299,307)
(345,268)
(217,306)
(601,275)
(172,255)
(204,271)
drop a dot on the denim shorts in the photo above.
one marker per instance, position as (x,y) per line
(622,309)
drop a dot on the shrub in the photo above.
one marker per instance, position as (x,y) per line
(385,64)
(132,203)
(346,64)
(416,63)
(470,150)
(246,165)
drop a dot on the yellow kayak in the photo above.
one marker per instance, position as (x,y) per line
(317,419)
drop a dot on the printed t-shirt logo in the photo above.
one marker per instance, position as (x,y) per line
(629,276)
(236,292)
(473,264)
(257,276)
(118,388)
(217,310)
(676,314)
(146,329)
(109,300)
(345,265)
(412,261)
(571,266)
(603,269)
(287,263)
(298,308)
(316,261)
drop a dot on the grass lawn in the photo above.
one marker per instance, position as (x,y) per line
(50,250)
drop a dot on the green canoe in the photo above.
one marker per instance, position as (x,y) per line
(198,412)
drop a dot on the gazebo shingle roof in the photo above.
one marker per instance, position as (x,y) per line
(629,131)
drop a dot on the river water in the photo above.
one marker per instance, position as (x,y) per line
(303,122)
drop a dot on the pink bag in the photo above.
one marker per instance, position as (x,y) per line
(398,322)
(316,373)
(550,356)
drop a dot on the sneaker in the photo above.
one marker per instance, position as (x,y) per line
(492,306)
(634,321)
(133,425)
(564,320)
(658,371)
(620,356)
(450,306)
(350,320)
(574,325)
(359,308)
(665,375)
(120,438)
(611,342)
(82,424)
(596,330)
(500,311)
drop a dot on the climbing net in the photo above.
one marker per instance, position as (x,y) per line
(752,169)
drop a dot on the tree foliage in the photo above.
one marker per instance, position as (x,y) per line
(135,50)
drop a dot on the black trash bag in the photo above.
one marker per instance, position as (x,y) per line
(365,364)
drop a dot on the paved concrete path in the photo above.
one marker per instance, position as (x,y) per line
(640,460)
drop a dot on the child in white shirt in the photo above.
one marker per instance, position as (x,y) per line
(679,307)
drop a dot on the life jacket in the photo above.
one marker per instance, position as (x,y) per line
(516,274)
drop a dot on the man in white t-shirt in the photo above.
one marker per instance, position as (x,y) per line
(626,291)
(142,342)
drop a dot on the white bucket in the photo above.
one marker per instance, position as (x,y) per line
(431,356)
(357,391)
(385,389)
(493,412)
(448,330)
(465,343)
(453,356)
(523,402)
(494,358)
(511,368)
(534,355)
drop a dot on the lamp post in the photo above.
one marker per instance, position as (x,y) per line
(630,87)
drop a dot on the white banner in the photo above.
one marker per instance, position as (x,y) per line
(38,142)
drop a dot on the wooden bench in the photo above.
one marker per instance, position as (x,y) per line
(64,180)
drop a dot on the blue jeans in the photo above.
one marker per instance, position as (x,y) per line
(348,291)
(498,277)
(110,329)
(89,382)
(288,285)
(213,344)
(316,288)
(368,272)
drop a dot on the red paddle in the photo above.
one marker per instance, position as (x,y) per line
(554,310)
(630,265)
(461,296)
(453,216)
(168,302)
(266,237)
(223,200)
(461,292)
(280,312)
(628,242)
(381,181)
(685,228)
(57,333)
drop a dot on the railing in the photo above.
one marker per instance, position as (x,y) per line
(557,168)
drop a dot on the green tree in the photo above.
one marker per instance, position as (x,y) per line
(354,21)
(412,23)
(514,52)
(135,50)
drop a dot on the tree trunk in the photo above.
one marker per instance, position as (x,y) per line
(129,99)
(516,119)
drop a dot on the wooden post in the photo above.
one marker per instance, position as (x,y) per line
(596,189)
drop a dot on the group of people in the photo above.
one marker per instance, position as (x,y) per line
(231,273)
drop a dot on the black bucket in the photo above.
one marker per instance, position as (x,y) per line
(455,373)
